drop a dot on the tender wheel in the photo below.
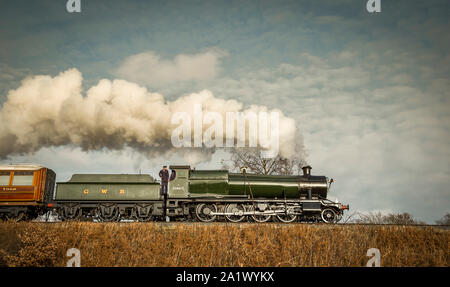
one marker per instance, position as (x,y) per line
(237,209)
(329,215)
(204,210)
(108,213)
(70,213)
(142,214)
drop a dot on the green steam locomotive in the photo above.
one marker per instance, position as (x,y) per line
(198,195)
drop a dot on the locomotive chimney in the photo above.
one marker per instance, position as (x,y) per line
(306,170)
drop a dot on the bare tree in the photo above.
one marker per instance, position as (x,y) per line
(445,220)
(255,163)
(349,217)
(369,218)
(391,218)
(401,218)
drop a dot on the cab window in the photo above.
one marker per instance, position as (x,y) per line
(173,175)
(23,178)
(4,177)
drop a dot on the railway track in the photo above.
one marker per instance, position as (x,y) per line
(248,224)
(244,224)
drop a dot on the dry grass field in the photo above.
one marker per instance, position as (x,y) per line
(153,244)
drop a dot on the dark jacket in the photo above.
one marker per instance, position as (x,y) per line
(164,175)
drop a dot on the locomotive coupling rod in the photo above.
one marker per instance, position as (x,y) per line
(269,212)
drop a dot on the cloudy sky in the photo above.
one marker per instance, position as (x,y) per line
(369,93)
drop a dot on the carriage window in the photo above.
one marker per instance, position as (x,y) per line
(23,178)
(4,177)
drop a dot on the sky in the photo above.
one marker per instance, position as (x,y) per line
(369,92)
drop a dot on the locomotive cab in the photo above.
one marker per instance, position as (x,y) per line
(179,186)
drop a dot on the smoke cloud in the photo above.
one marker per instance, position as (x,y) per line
(150,69)
(50,111)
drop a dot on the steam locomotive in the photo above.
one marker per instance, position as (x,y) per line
(27,191)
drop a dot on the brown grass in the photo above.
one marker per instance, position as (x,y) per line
(152,244)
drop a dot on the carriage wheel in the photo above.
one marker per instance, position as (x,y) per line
(204,210)
(237,209)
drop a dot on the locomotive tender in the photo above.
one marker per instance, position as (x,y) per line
(194,195)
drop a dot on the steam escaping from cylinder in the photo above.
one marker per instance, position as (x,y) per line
(50,111)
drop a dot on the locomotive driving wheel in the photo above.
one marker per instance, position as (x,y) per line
(204,210)
(329,216)
(237,209)
(260,217)
(287,216)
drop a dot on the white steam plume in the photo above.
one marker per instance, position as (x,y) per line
(46,111)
